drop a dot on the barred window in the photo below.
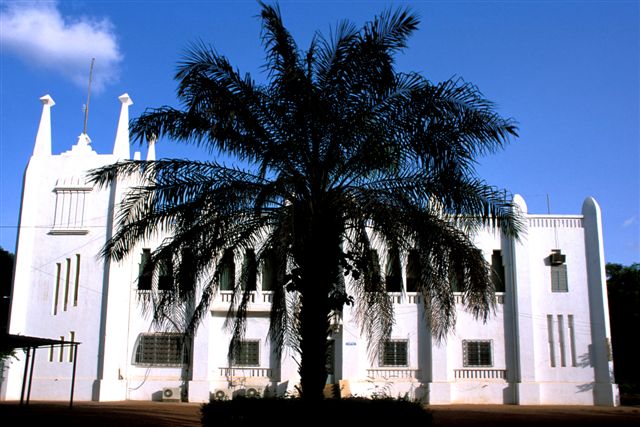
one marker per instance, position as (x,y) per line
(247,353)
(477,353)
(559,278)
(395,353)
(160,349)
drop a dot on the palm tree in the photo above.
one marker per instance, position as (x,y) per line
(338,155)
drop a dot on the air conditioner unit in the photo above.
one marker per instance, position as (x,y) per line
(557,258)
(171,394)
(220,395)
(254,392)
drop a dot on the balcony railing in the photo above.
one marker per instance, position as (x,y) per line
(243,372)
(459,298)
(396,297)
(480,374)
(227,296)
(393,373)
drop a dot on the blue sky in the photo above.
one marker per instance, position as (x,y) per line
(567,71)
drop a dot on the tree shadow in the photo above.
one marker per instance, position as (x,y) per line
(585,387)
(586,360)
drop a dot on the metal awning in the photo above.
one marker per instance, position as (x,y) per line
(30,345)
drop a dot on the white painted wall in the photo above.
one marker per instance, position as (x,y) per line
(107,319)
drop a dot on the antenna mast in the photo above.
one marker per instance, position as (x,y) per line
(86,109)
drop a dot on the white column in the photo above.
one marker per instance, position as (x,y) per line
(199,387)
(151,153)
(42,146)
(605,392)
(121,147)
(528,390)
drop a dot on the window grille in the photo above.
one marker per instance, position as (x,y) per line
(160,349)
(477,353)
(395,353)
(247,353)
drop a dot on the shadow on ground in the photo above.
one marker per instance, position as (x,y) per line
(159,414)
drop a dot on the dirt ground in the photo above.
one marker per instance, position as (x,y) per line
(159,414)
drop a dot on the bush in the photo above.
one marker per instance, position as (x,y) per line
(266,412)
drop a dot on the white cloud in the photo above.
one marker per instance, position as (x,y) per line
(39,34)
(630,221)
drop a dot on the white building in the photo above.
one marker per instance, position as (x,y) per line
(547,343)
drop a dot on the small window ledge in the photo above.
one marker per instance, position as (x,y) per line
(68,231)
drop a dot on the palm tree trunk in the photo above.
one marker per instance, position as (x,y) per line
(313,343)
(319,248)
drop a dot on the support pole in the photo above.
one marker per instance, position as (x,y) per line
(24,376)
(73,375)
(33,359)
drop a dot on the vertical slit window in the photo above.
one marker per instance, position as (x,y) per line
(227,271)
(572,340)
(456,280)
(249,270)
(77,283)
(497,271)
(72,338)
(56,290)
(186,270)
(372,272)
(269,270)
(66,284)
(145,271)
(165,275)
(393,271)
(61,354)
(413,271)
(550,336)
(563,356)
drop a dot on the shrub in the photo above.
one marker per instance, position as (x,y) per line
(242,412)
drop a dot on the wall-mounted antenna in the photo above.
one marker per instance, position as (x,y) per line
(86,108)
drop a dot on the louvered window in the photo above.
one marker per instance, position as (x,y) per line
(559,278)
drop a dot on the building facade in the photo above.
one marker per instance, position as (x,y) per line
(547,342)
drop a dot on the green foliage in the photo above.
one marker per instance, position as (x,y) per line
(623,287)
(341,412)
